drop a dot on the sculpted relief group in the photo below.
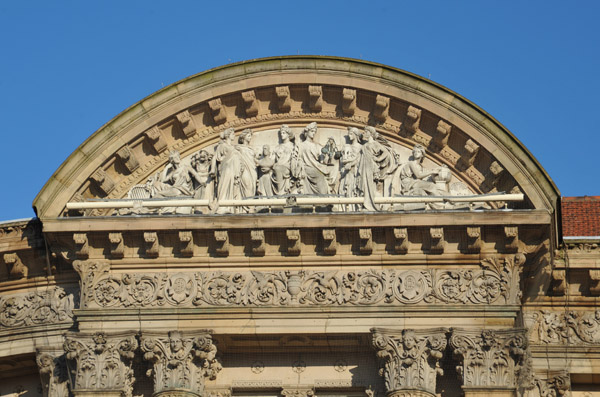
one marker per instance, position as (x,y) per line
(365,166)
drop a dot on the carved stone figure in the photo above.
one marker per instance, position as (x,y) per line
(283,159)
(306,164)
(349,159)
(409,360)
(415,180)
(101,362)
(377,162)
(204,183)
(248,175)
(53,372)
(227,162)
(265,176)
(180,363)
(176,179)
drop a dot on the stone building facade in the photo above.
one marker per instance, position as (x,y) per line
(299,226)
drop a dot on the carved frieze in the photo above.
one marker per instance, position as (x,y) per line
(180,362)
(101,362)
(409,359)
(50,306)
(490,358)
(493,283)
(564,328)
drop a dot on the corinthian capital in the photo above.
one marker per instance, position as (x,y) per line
(490,358)
(53,372)
(409,359)
(180,363)
(101,362)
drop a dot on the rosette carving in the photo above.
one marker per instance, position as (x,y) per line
(489,358)
(486,285)
(101,361)
(409,359)
(51,306)
(181,362)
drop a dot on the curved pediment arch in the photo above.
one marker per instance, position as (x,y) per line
(263,94)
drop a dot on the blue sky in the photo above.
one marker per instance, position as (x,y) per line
(67,68)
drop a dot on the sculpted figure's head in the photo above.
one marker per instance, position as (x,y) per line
(203,156)
(353,134)
(227,134)
(245,137)
(370,132)
(174,158)
(175,341)
(409,340)
(266,151)
(285,133)
(310,130)
(418,152)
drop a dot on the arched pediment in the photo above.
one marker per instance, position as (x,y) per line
(263,94)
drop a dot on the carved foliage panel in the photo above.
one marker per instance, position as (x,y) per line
(51,306)
(495,282)
(564,327)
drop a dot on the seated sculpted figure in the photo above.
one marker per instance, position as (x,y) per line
(416,180)
(177,179)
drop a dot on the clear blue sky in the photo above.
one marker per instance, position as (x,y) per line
(66,68)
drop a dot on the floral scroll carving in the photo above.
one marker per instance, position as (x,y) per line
(181,362)
(100,361)
(53,372)
(572,327)
(50,306)
(489,358)
(409,359)
(494,282)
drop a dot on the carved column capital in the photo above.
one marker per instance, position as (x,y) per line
(180,362)
(100,363)
(491,359)
(409,359)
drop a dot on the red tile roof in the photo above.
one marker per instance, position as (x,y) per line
(581,216)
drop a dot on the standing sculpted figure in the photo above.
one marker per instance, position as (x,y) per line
(265,167)
(248,174)
(204,186)
(283,157)
(227,163)
(376,163)
(306,165)
(414,179)
(349,159)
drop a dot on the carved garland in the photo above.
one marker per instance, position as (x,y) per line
(572,327)
(496,282)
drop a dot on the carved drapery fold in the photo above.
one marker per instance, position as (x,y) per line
(409,359)
(180,362)
(100,362)
(50,306)
(490,358)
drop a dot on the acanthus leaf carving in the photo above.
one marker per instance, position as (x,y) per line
(298,392)
(50,306)
(181,362)
(491,284)
(409,359)
(573,327)
(490,358)
(101,361)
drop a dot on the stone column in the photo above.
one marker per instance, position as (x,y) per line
(53,372)
(492,360)
(409,360)
(180,363)
(100,363)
